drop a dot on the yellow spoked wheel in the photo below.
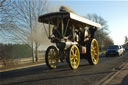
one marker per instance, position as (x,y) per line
(93,52)
(74,57)
(51,57)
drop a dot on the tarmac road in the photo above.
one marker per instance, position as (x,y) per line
(85,75)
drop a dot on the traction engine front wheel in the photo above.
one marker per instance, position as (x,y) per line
(51,57)
(74,57)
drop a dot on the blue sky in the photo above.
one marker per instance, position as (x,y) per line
(114,12)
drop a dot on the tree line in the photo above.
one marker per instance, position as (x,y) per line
(10,52)
(15,51)
(20,20)
(102,34)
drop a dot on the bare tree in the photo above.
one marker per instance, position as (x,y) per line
(126,39)
(5,7)
(24,17)
(102,34)
(2,2)
(6,18)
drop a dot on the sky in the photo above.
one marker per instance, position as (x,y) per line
(115,12)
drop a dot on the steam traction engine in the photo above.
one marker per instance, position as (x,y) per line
(73,36)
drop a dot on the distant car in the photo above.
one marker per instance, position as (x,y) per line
(122,48)
(114,50)
(126,48)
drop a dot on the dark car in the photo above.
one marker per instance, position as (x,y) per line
(114,50)
(126,48)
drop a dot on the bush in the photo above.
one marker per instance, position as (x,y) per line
(10,52)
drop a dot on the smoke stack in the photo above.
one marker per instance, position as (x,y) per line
(67,9)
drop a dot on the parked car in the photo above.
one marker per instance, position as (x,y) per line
(114,50)
(122,48)
(126,48)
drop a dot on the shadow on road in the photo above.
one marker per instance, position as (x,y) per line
(57,77)
(36,69)
(23,71)
(125,80)
(40,73)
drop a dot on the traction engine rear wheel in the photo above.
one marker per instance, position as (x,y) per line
(74,57)
(51,57)
(93,52)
